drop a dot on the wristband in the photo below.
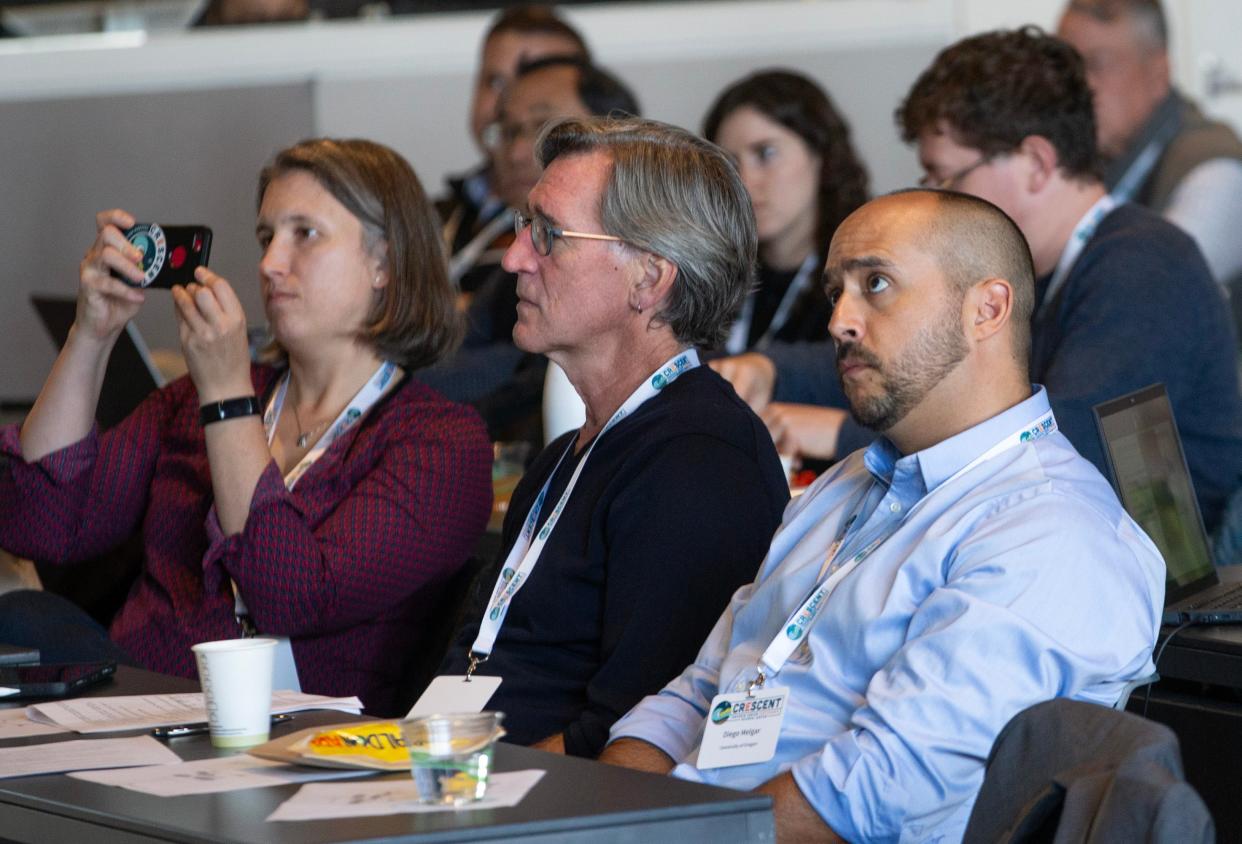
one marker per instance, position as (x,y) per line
(218,411)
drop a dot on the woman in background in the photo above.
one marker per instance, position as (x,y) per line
(325,499)
(793,152)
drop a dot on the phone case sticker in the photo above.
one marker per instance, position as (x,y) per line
(150,239)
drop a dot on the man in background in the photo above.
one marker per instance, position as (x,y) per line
(1124,298)
(1160,150)
(504,383)
(471,210)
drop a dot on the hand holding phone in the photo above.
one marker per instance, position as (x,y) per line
(170,254)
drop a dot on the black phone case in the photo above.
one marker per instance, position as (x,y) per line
(54,688)
(170,254)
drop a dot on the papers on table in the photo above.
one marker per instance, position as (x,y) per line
(321,801)
(15,724)
(207,776)
(83,755)
(141,712)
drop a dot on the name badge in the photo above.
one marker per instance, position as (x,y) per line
(449,693)
(742,729)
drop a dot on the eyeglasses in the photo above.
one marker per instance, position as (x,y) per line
(543,233)
(949,181)
(498,134)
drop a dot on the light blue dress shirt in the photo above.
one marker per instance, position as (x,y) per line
(1018,580)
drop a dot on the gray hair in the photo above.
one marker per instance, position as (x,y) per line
(1146,17)
(678,196)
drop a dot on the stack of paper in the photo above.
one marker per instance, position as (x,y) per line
(15,724)
(83,755)
(141,712)
(208,776)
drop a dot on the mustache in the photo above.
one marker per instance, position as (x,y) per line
(850,353)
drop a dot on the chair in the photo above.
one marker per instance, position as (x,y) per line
(421,666)
(1064,771)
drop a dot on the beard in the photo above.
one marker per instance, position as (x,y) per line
(932,353)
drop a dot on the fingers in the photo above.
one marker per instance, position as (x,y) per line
(191,318)
(117,217)
(783,434)
(111,253)
(752,376)
(208,308)
(222,290)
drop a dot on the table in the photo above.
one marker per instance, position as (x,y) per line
(576,799)
(1199,697)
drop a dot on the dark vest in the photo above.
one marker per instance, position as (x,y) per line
(1189,139)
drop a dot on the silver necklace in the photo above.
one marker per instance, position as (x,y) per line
(304,435)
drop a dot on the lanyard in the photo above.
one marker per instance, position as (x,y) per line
(469,254)
(799,623)
(526,551)
(736,344)
(1083,232)
(362,401)
(1129,184)
(358,405)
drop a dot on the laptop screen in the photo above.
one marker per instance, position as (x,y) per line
(1149,470)
(130,375)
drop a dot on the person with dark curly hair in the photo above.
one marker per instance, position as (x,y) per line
(1124,298)
(792,149)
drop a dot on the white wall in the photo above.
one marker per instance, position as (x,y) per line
(176,126)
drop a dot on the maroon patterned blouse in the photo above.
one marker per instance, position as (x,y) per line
(349,565)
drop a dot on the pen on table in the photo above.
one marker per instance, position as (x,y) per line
(201,728)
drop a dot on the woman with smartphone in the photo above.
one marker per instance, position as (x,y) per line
(322,497)
(793,152)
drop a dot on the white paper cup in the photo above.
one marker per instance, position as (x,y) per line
(236,676)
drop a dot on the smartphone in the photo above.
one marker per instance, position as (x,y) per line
(170,254)
(53,679)
(17,654)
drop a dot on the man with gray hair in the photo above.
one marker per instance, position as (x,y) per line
(969,564)
(636,245)
(1161,151)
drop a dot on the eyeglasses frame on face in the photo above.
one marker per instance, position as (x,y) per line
(521,221)
(499,134)
(949,181)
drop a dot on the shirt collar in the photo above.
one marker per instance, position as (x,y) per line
(914,475)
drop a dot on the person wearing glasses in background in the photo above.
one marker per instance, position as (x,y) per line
(625,538)
(503,382)
(1124,298)
(476,227)
(1160,149)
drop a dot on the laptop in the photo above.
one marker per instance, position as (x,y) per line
(130,376)
(1149,472)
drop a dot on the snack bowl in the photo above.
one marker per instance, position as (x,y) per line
(451,755)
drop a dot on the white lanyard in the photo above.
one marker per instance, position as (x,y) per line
(528,547)
(738,334)
(362,401)
(469,254)
(799,623)
(1129,184)
(1083,232)
(358,405)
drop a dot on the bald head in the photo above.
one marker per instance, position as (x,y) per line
(971,240)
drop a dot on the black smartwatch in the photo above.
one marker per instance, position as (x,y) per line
(218,411)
